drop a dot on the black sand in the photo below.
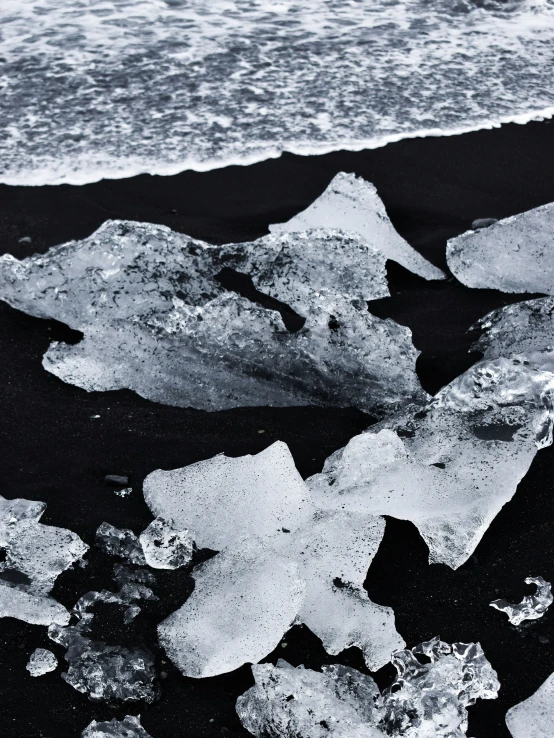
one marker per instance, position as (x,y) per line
(55,451)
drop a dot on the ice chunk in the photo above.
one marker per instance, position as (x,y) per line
(129,727)
(451,466)
(428,698)
(155,319)
(35,609)
(13,513)
(532,606)
(165,546)
(223,498)
(120,542)
(244,600)
(352,204)
(534,717)
(41,662)
(513,255)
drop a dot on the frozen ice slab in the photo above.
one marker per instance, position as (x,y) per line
(41,662)
(534,717)
(532,606)
(448,467)
(156,319)
(165,546)
(129,727)
(244,600)
(513,255)
(352,204)
(428,699)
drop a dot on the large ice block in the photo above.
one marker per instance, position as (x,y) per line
(534,717)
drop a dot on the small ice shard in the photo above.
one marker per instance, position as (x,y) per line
(120,542)
(244,600)
(532,606)
(223,498)
(435,684)
(156,319)
(352,204)
(25,241)
(514,255)
(165,546)
(448,467)
(483,223)
(116,480)
(19,603)
(129,727)
(125,492)
(534,717)
(41,662)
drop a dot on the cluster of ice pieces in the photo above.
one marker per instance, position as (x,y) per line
(129,727)
(41,662)
(532,606)
(156,318)
(435,684)
(534,717)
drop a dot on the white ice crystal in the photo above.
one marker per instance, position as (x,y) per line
(352,204)
(41,662)
(156,319)
(532,606)
(129,727)
(534,717)
(512,255)
(165,546)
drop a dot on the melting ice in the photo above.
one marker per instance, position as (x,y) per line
(534,717)
(532,606)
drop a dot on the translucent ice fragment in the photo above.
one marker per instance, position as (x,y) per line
(532,606)
(352,204)
(223,498)
(156,319)
(120,542)
(534,717)
(244,600)
(41,662)
(129,727)
(165,546)
(512,255)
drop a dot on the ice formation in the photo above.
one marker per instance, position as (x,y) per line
(448,467)
(165,546)
(36,555)
(41,662)
(532,606)
(513,255)
(120,542)
(534,717)
(352,204)
(428,699)
(281,561)
(156,319)
(129,727)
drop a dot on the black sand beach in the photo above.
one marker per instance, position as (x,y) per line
(56,451)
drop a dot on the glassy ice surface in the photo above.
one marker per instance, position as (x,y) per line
(532,606)
(435,684)
(165,546)
(120,542)
(156,320)
(513,255)
(129,727)
(352,204)
(41,662)
(534,717)
(450,466)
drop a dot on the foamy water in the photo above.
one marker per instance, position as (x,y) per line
(111,88)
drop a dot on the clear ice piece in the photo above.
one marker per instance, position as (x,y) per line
(512,255)
(352,204)
(156,320)
(120,542)
(165,546)
(129,727)
(534,717)
(532,606)
(41,662)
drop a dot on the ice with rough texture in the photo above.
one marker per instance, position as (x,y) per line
(352,204)
(513,255)
(165,546)
(129,727)
(156,319)
(448,467)
(120,542)
(534,717)
(41,662)
(532,606)
(428,699)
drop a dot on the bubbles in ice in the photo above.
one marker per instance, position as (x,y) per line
(435,684)
(156,319)
(450,466)
(534,717)
(165,546)
(129,727)
(512,255)
(532,606)
(352,204)
(41,662)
